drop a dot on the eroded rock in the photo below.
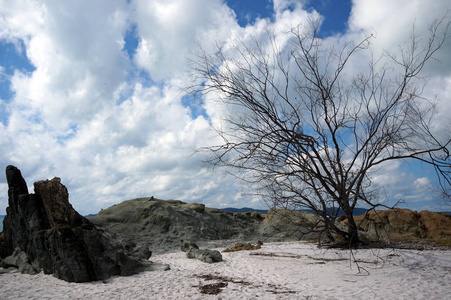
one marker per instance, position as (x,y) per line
(404,223)
(42,232)
(162,224)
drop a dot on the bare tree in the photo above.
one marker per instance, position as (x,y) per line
(306,134)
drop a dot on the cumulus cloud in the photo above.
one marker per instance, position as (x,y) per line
(169,30)
(422,182)
(113,126)
(392,23)
(79,63)
(81,117)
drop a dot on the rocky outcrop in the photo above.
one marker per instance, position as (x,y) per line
(404,223)
(162,224)
(42,232)
(283,224)
(437,225)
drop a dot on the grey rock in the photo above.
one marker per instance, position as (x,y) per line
(205,255)
(142,251)
(160,225)
(42,232)
(19,259)
(8,270)
(283,224)
(187,245)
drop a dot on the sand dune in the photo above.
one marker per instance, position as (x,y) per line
(292,270)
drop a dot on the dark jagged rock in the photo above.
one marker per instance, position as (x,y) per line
(42,232)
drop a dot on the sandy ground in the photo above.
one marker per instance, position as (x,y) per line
(277,271)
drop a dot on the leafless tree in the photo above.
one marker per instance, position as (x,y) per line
(306,133)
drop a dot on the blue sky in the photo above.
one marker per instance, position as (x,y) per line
(335,12)
(12,57)
(90,91)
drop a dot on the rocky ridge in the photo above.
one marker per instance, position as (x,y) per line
(161,224)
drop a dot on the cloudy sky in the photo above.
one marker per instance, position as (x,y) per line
(90,91)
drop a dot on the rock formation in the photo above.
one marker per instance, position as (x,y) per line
(286,224)
(404,223)
(42,232)
(160,225)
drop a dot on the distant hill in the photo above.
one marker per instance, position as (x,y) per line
(244,210)
(357,211)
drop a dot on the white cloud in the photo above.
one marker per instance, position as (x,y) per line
(422,182)
(169,30)
(65,120)
(380,19)
(393,21)
(83,116)
(285,6)
(78,57)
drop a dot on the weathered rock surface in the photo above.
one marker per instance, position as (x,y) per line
(161,225)
(399,223)
(186,245)
(20,260)
(205,255)
(42,232)
(286,224)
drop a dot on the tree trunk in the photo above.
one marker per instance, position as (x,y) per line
(353,234)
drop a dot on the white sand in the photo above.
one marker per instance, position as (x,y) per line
(278,271)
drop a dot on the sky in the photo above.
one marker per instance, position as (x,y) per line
(90,91)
